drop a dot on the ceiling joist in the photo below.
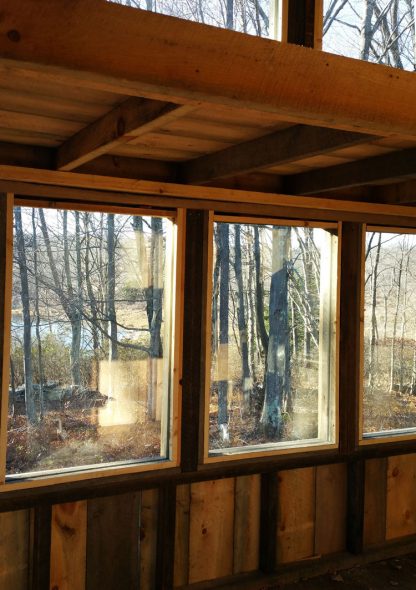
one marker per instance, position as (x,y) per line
(128,121)
(393,166)
(281,147)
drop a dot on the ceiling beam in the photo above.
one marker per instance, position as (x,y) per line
(133,118)
(108,46)
(281,147)
(393,166)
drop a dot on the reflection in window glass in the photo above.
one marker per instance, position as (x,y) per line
(255,17)
(90,339)
(272,337)
(380,31)
(389,334)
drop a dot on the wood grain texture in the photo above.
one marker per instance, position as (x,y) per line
(401,496)
(148,539)
(246,524)
(181,565)
(268,522)
(68,546)
(41,526)
(211,530)
(216,66)
(165,550)
(14,550)
(113,542)
(375,501)
(296,516)
(331,508)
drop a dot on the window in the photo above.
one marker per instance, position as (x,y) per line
(255,17)
(272,375)
(91,355)
(380,31)
(389,385)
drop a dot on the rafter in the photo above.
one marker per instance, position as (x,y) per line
(281,147)
(393,166)
(136,52)
(125,123)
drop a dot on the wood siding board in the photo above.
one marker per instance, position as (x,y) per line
(165,552)
(375,501)
(296,515)
(246,524)
(211,530)
(68,546)
(401,496)
(181,566)
(113,542)
(331,509)
(148,539)
(14,550)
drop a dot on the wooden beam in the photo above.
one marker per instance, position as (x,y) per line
(107,46)
(15,154)
(399,193)
(320,208)
(400,164)
(301,22)
(281,147)
(131,119)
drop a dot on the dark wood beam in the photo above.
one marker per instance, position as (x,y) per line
(400,164)
(133,118)
(281,147)
(301,22)
(31,156)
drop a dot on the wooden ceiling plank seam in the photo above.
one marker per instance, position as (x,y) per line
(128,121)
(282,147)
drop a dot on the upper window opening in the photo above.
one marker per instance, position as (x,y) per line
(90,362)
(255,17)
(272,370)
(389,334)
(380,31)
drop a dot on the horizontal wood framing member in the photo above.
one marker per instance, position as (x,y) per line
(211,65)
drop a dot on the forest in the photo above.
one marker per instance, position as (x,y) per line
(90,338)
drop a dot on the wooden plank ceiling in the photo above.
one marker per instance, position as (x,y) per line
(56,118)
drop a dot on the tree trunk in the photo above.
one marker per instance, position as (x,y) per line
(37,315)
(242,323)
(372,359)
(111,288)
(224,253)
(27,326)
(277,378)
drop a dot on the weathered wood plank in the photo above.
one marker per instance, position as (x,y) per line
(165,550)
(375,501)
(181,565)
(14,550)
(331,508)
(296,515)
(148,539)
(113,542)
(211,530)
(68,546)
(41,526)
(355,505)
(268,522)
(216,65)
(247,523)
(401,496)
(281,147)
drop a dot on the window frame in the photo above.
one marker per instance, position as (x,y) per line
(232,454)
(388,436)
(78,474)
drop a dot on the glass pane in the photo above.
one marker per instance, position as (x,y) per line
(389,334)
(255,17)
(380,31)
(272,345)
(90,339)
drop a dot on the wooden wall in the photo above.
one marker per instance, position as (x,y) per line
(111,543)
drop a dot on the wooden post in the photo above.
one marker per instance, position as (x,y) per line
(41,527)
(304,23)
(193,378)
(165,557)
